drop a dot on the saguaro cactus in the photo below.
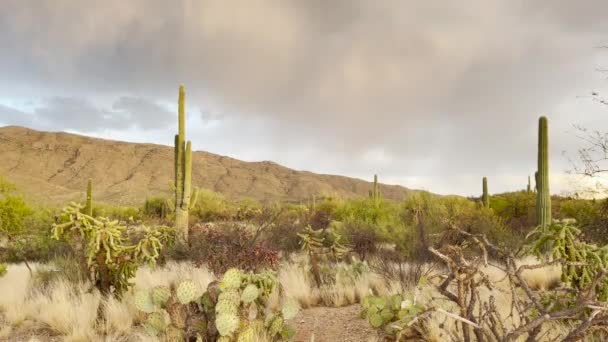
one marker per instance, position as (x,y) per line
(529,188)
(88,209)
(485,199)
(185,197)
(374,194)
(543,197)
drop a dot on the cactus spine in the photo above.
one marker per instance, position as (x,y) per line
(543,197)
(88,209)
(485,199)
(184,198)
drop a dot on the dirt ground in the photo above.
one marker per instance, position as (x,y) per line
(332,325)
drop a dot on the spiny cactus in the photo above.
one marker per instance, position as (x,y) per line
(543,197)
(234,309)
(187,291)
(529,188)
(101,245)
(185,195)
(88,209)
(485,198)
(374,194)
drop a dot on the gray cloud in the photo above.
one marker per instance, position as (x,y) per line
(435,89)
(80,114)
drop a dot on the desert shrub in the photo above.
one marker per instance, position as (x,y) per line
(235,309)
(475,301)
(395,268)
(230,245)
(247,210)
(156,207)
(211,206)
(362,238)
(120,213)
(282,234)
(61,268)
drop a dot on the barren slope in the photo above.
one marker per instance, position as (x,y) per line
(52,168)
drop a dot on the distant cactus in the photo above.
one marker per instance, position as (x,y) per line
(529,188)
(374,194)
(543,197)
(88,209)
(485,198)
(185,195)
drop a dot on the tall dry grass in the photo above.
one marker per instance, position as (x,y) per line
(70,310)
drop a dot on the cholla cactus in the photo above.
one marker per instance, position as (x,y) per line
(101,245)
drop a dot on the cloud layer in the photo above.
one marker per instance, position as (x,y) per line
(433,94)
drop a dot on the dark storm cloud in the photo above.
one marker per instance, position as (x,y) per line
(433,87)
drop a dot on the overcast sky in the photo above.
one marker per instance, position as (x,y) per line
(429,94)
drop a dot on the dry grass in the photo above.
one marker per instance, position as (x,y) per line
(70,311)
(297,283)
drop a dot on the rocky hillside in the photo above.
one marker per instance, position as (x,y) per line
(52,168)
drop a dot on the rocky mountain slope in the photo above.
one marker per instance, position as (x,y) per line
(52,168)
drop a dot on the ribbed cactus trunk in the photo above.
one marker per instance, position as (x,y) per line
(485,198)
(374,194)
(88,209)
(543,197)
(183,173)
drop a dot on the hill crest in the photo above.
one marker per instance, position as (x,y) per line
(53,168)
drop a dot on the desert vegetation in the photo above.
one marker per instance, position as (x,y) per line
(519,266)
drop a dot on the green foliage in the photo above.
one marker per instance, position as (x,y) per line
(212,206)
(103,247)
(13,214)
(156,207)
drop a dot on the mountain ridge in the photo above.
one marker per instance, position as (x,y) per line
(53,167)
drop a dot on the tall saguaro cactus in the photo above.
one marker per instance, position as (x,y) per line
(374,194)
(543,197)
(529,188)
(485,199)
(185,197)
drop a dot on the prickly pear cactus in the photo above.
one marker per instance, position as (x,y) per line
(157,322)
(250,293)
(143,301)
(160,295)
(231,279)
(187,291)
(392,312)
(227,324)
(290,308)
